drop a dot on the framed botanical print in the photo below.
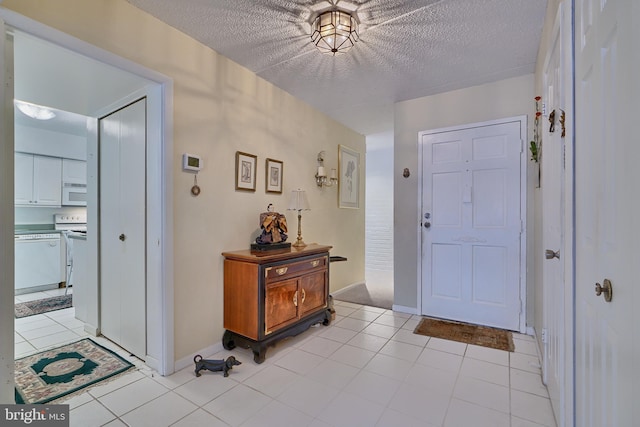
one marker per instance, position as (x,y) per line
(348,178)
(245,171)
(274,169)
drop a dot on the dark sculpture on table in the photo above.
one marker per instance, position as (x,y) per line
(274,227)
(224,365)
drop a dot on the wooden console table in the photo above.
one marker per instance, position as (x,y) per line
(269,296)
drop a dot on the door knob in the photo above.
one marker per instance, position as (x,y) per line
(427,224)
(122,237)
(549,254)
(606,290)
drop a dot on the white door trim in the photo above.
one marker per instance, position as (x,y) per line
(159,188)
(522,120)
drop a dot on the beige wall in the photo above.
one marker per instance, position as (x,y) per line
(221,108)
(506,98)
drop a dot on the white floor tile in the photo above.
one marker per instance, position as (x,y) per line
(448,346)
(17,338)
(200,418)
(352,324)
(308,396)
(389,366)
(272,380)
(348,410)
(463,413)
(411,324)
(525,362)
(299,361)
(90,415)
(490,372)
(43,332)
(391,320)
(378,330)
(440,359)
(401,350)
(368,342)
(23,349)
(487,354)
(33,322)
(353,356)
(418,402)
(320,346)
(528,382)
(374,387)
(276,414)
(121,381)
(531,407)
(482,393)
(115,423)
(362,314)
(163,411)
(519,422)
(132,395)
(333,373)
(205,388)
(77,400)
(406,336)
(431,378)
(237,405)
(59,338)
(393,418)
(344,311)
(374,309)
(338,334)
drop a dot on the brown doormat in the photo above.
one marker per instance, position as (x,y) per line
(467,333)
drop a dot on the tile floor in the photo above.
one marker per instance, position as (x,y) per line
(366,369)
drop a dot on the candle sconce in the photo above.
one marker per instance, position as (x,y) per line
(322,180)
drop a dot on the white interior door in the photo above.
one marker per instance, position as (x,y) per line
(123,227)
(471,200)
(552,188)
(606,212)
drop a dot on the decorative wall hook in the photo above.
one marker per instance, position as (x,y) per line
(562,117)
(406,173)
(552,120)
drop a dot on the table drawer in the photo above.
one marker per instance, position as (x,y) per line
(286,271)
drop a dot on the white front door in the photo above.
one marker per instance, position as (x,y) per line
(123,227)
(471,213)
(607,228)
(552,196)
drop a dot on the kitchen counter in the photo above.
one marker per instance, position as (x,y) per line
(34,229)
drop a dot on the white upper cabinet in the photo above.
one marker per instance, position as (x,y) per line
(38,180)
(74,171)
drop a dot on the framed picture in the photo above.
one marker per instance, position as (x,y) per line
(245,171)
(348,178)
(273,176)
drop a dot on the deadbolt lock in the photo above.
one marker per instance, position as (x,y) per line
(606,290)
(122,237)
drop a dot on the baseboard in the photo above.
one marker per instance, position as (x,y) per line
(205,352)
(531,331)
(91,330)
(339,291)
(404,309)
(153,363)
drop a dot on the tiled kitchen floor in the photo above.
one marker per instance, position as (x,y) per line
(366,369)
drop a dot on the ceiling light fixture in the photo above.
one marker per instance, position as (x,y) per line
(334,32)
(34,111)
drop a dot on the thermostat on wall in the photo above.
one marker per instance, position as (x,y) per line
(191,162)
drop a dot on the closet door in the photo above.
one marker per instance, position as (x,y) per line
(122,227)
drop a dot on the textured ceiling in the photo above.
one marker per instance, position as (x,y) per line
(407,49)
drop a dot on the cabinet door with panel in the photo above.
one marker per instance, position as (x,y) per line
(38,180)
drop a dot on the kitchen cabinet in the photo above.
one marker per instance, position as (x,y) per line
(271,296)
(74,171)
(38,180)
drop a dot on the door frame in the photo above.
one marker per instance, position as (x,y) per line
(522,120)
(160,323)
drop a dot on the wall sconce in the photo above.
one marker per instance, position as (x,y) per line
(321,174)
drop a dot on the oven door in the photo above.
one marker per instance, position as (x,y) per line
(74,195)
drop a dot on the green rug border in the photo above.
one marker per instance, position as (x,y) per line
(62,307)
(20,399)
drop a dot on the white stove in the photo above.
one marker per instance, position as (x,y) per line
(66,222)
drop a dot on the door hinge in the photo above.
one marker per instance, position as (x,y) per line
(544,336)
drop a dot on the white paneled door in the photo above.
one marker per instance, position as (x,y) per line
(553,219)
(123,227)
(607,229)
(471,216)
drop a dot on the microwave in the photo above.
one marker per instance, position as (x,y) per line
(74,194)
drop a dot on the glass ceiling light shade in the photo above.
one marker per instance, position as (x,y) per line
(334,32)
(34,111)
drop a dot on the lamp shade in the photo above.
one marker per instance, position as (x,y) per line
(298,201)
(334,32)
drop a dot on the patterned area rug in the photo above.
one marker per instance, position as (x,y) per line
(467,333)
(55,373)
(30,308)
